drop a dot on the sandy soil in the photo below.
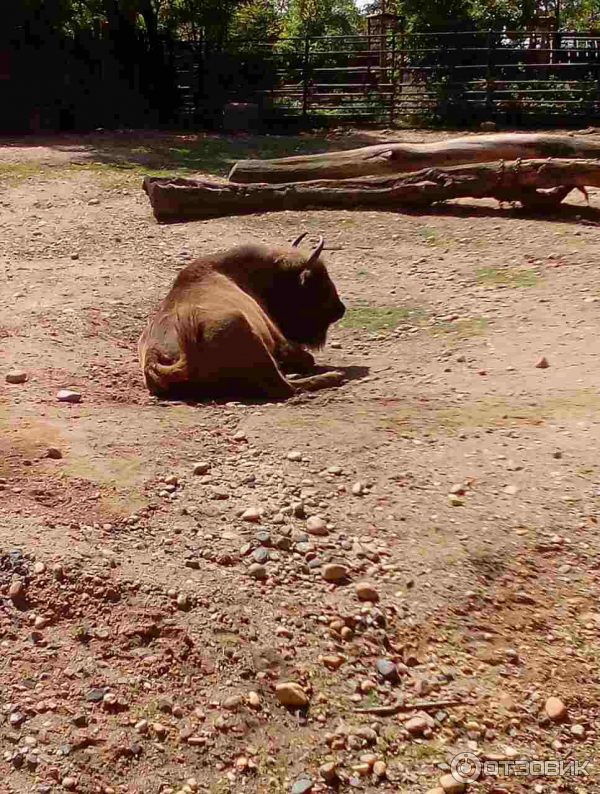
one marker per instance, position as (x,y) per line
(138,651)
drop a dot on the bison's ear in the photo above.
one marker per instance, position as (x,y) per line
(305,277)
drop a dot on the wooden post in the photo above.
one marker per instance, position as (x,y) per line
(305,72)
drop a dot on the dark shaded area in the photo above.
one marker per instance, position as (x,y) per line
(118,74)
(185,394)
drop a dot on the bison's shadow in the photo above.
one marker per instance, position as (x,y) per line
(349,373)
(186,396)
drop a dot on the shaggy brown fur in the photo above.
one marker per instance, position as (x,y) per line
(234,320)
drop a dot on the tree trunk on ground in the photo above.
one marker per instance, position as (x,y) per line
(190,199)
(401,158)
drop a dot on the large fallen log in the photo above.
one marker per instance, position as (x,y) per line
(402,158)
(536,184)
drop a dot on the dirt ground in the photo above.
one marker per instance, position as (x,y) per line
(140,650)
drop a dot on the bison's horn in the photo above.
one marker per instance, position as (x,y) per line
(298,239)
(317,252)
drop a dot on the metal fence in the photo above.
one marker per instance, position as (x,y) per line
(509,76)
(522,77)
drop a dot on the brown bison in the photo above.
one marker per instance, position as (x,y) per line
(233,322)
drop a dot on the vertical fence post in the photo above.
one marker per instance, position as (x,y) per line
(393,74)
(305,67)
(489,88)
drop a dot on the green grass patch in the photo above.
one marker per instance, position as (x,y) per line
(11,173)
(505,277)
(380,318)
(421,752)
(429,234)
(474,326)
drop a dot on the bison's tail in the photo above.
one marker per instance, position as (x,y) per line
(159,376)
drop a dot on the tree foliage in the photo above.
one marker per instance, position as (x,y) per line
(321,18)
(438,15)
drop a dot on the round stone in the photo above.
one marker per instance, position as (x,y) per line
(290,693)
(294,455)
(257,571)
(450,785)
(201,468)
(315,525)
(16,590)
(16,376)
(334,572)
(251,514)
(555,709)
(365,591)
(416,725)
(54,453)
(387,670)
(68,396)
(260,556)
(328,772)
(302,785)
(380,768)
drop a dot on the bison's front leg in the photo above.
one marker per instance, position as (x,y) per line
(325,380)
(293,358)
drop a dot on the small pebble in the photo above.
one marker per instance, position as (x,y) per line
(387,670)
(54,453)
(302,785)
(328,772)
(290,693)
(334,572)
(68,396)
(251,514)
(542,363)
(294,455)
(260,555)
(315,525)
(257,571)
(365,591)
(16,376)
(380,768)
(450,785)
(201,468)
(16,590)
(555,709)
(416,725)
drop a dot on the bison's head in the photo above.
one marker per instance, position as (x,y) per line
(311,301)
